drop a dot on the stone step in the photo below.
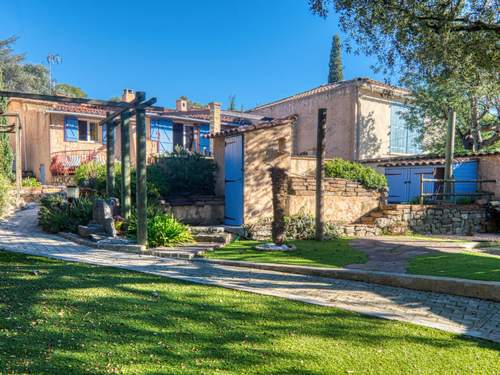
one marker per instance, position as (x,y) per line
(367,220)
(377,214)
(183,251)
(207,229)
(219,237)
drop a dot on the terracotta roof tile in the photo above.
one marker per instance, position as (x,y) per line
(261,125)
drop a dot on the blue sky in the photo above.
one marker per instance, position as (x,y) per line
(207,50)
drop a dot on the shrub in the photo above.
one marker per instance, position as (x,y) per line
(366,176)
(91,175)
(4,193)
(183,173)
(58,215)
(31,182)
(302,226)
(163,229)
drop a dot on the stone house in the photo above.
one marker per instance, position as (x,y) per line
(60,133)
(364,119)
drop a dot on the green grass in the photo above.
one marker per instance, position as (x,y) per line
(69,318)
(464,265)
(334,253)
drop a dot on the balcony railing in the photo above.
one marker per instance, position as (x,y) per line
(65,162)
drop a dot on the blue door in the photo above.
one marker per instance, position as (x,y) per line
(404,183)
(414,182)
(233,169)
(465,171)
(396,181)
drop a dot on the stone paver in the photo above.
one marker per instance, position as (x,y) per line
(392,253)
(468,316)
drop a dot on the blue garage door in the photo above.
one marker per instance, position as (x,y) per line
(404,183)
(233,169)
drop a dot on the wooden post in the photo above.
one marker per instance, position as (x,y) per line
(421,188)
(19,172)
(110,158)
(141,192)
(450,148)
(320,172)
(125,165)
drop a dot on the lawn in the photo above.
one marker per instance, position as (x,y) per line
(68,318)
(333,253)
(464,265)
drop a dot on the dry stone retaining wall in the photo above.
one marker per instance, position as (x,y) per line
(344,201)
(433,219)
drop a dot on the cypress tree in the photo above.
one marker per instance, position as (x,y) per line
(336,70)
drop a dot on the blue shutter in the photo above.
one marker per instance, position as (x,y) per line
(204,142)
(104,134)
(70,129)
(403,140)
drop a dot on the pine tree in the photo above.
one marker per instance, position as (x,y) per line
(336,71)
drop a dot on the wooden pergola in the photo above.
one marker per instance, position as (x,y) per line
(122,117)
(16,129)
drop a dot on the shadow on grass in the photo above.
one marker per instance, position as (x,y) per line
(65,318)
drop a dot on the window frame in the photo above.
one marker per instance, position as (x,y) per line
(88,132)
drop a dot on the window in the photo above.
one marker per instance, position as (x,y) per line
(402,139)
(87,131)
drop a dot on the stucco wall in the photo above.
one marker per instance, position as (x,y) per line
(340,121)
(489,169)
(262,151)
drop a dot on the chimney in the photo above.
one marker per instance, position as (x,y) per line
(128,95)
(181,104)
(215,123)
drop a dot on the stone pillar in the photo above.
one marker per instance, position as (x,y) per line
(215,122)
(110,158)
(141,192)
(125,167)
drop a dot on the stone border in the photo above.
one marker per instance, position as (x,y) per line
(127,248)
(489,290)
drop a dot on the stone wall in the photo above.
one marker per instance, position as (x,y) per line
(344,201)
(197,210)
(430,219)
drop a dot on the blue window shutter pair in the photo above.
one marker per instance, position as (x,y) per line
(104,134)
(204,142)
(403,140)
(70,129)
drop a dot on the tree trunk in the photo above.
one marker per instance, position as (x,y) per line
(320,172)
(278,180)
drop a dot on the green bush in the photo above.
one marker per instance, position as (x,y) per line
(302,226)
(5,187)
(58,215)
(91,175)
(163,229)
(31,182)
(183,173)
(366,176)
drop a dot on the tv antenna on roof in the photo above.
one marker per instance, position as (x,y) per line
(53,59)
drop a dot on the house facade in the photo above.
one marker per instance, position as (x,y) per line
(364,120)
(60,133)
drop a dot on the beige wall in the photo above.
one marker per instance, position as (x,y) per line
(489,169)
(261,152)
(358,121)
(340,119)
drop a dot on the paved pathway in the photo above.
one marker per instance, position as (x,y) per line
(469,316)
(392,253)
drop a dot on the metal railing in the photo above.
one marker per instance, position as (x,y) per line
(443,195)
